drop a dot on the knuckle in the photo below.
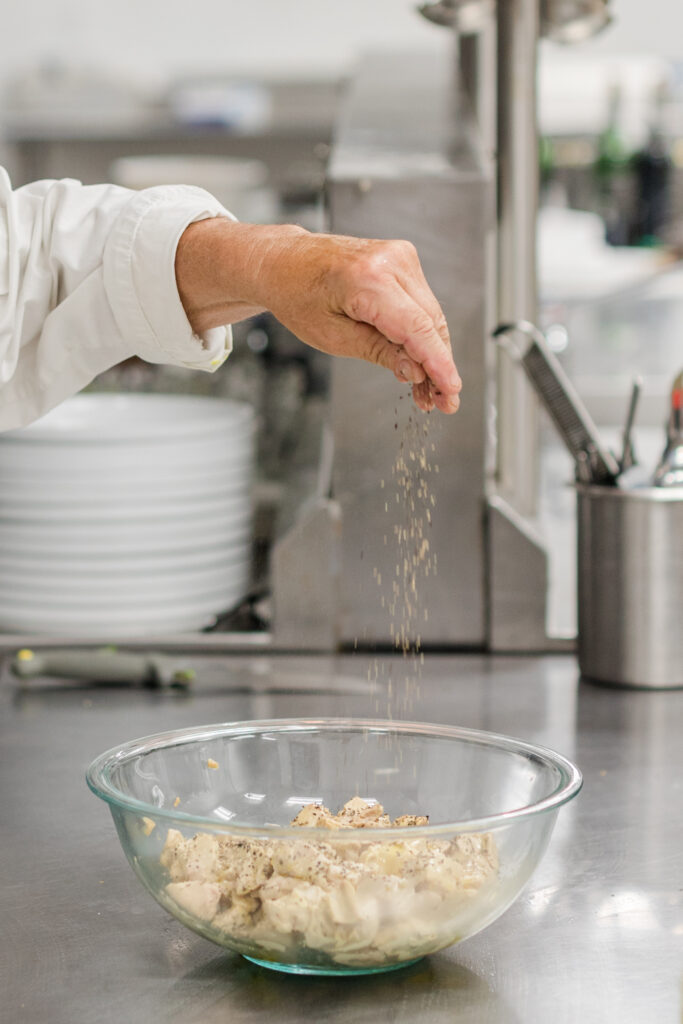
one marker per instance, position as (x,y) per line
(375,350)
(406,248)
(441,325)
(374,262)
(363,273)
(378,261)
(396,251)
(362,305)
(421,325)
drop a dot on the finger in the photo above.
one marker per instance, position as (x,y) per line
(362,341)
(400,319)
(405,369)
(446,403)
(422,396)
(427,398)
(415,284)
(418,289)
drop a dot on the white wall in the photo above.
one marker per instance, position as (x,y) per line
(643,26)
(152,39)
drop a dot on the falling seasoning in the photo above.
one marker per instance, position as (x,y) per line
(404,593)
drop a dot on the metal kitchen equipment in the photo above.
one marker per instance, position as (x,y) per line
(564,21)
(594,463)
(572,21)
(630,566)
(628,457)
(630,538)
(443,153)
(669,472)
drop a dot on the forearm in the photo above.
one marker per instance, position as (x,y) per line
(221,269)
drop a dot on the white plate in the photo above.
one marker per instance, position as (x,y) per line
(109,594)
(132,621)
(59,488)
(117,418)
(240,537)
(92,606)
(230,506)
(115,566)
(186,621)
(135,459)
(82,540)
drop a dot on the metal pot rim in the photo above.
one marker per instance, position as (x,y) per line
(657,494)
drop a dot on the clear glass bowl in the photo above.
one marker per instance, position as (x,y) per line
(204,816)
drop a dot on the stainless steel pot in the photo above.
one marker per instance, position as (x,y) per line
(630,566)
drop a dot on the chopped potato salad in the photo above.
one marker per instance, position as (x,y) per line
(354,901)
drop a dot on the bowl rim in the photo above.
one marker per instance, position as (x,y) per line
(98,775)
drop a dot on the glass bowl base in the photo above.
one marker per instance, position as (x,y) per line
(273,965)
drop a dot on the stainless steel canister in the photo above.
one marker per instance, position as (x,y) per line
(630,586)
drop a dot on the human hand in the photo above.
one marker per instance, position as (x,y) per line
(361,298)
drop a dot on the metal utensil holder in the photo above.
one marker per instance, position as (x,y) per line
(630,585)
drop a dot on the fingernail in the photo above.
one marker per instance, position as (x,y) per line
(409,372)
(453,404)
(455,382)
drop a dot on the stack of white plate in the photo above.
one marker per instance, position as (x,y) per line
(126,515)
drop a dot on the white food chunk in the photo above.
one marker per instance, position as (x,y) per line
(293,911)
(360,901)
(190,860)
(316,816)
(201,899)
(238,918)
(360,814)
(245,864)
(411,821)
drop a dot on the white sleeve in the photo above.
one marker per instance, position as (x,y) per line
(87,279)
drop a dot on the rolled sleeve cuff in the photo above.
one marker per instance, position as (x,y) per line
(140,281)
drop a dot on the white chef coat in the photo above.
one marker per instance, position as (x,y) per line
(87,279)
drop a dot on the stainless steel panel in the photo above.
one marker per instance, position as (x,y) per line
(404,167)
(517,576)
(630,558)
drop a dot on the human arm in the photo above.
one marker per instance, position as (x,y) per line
(87,279)
(361,298)
(91,275)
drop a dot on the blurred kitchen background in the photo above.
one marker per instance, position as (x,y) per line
(244,99)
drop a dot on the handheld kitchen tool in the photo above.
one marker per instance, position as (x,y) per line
(669,472)
(628,458)
(104,665)
(594,463)
(107,665)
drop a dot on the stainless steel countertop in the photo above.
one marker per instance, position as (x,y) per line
(596,938)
